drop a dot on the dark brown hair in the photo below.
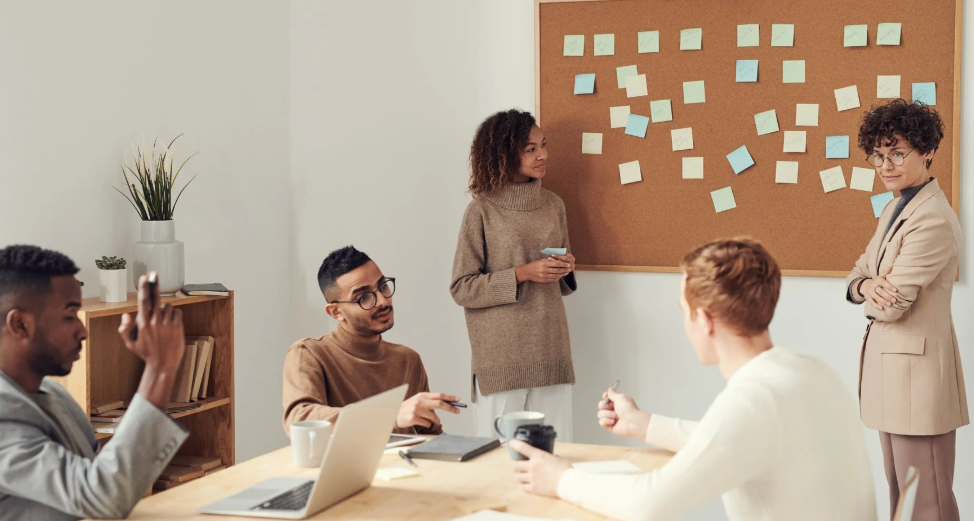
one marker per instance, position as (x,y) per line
(736,280)
(917,123)
(495,155)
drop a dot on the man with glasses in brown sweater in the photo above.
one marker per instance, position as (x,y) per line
(353,362)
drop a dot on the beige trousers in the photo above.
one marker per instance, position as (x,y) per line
(933,456)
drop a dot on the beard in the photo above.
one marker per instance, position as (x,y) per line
(366,327)
(45,359)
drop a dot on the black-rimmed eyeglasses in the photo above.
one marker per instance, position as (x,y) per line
(896,158)
(368,299)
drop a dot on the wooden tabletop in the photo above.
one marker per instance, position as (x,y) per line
(443,490)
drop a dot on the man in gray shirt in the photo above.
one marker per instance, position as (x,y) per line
(50,465)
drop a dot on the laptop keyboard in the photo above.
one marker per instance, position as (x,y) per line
(294,499)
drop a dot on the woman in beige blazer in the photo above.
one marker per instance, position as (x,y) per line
(911,385)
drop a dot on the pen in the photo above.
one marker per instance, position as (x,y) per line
(615,387)
(457,404)
(406,457)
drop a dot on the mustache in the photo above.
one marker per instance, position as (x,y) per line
(79,347)
(381,310)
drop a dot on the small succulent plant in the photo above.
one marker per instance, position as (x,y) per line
(110,263)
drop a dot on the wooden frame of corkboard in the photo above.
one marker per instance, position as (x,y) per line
(647,226)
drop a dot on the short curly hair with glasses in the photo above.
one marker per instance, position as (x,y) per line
(916,123)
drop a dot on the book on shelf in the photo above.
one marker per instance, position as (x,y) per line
(114,416)
(203,463)
(103,427)
(183,386)
(179,474)
(207,369)
(175,407)
(203,355)
(214,289)
(106,406)
(214,469)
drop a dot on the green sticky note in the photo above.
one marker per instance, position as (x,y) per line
(691,39)
(605,44)
(888,34)
(748,35)
(793,71)
(856,36)
(624,72)
(649,41)
(766,122)
(661,110)
(783,35)
(693,92)
(574,45)
(723,199)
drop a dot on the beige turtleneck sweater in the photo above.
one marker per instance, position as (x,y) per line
(324,374)
(518,332)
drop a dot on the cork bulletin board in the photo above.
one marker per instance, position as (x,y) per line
(648,225)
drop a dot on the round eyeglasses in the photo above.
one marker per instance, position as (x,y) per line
(896,158)
(368,299)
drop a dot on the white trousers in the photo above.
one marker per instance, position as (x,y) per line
(554,401)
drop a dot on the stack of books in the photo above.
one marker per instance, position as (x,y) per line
(183,469)
(193,378)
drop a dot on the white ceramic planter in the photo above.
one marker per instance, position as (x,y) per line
(114,285)
(159,251)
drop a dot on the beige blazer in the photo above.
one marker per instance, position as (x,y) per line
(910,376)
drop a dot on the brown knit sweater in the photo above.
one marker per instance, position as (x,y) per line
(324,374)
(518,332)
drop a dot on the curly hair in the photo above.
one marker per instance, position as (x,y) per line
(917,123)
(495,155)
(26,271)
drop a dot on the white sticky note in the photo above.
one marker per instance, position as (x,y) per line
(766,122)
(786,172)
(783,35)
(748,35)
(887,87)
(795,141)
(618,116)
(682,139)
(636,86)
(693,92)
(392,473)
(607,467)
(692,168)
(629,172)
(623,73)
(648,41)
(888,34)
(855,36)
(605,44)
(574,45)
(832,179)
(691,39)
(806,115)
(793,71)
(723,199)
(591,143)
(847,98)
(862,179)
(661,110)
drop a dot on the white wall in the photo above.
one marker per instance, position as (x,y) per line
(83,81)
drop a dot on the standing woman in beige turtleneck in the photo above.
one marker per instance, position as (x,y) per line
(511,292)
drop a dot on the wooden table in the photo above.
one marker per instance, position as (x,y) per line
(441,491)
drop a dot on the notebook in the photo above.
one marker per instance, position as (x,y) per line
(447,447)
(214,289)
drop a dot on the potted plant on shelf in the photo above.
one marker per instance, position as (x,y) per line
(114,282)
(151,194)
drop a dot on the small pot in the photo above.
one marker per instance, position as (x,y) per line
(114,285)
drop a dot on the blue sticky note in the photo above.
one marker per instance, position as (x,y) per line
(879,202)
(636,125)
(740,160)
(925,93)
(584,83)
(837,147)
(554,251)
(747,71)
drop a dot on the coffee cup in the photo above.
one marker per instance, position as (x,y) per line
(506,425)
(538,436)
(309,441)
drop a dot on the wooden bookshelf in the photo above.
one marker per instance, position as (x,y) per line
(108,371)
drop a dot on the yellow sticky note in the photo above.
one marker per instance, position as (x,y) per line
(786,172)
(591,143)
(847,98)
(806,115)
(862,179)
(783,35)
(636,86)
(648,41)
(888,34)
(661,110)
(605,44)
(832,179)
(691,39)
(574,45)
(618,116)
(629,172)
(766,122)
(748,35)
(793,71)
(887,86)
(855,36)
(693,92)
(692,168)
(392,473)
(795,141)
(682,139)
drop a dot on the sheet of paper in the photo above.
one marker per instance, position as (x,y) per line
(605,44)
(648,41)
(793,71)
(584,83)
(795,141)
(574,45)
(661,110)
(806,115)
(682,139)
(832,179)
(692,168)
(608,467)
(591,143)
(862,179)
(618,116)
(783,35)
(856,36)
(888,34)
(748,35)
(925,93)
(747,71)
(636,86)
(786,172)
(554,251)
(637,125)
(837,147)
(723,199)
(766,122)
(691,39)
(693,92)
(879,201)
(629,172)
(740,159)
(389,474)
(887,87)
(492,515)
(623,73)
(847,98)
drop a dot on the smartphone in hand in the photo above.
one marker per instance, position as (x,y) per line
(153,301)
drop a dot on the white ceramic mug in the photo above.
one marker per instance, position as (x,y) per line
(309,441)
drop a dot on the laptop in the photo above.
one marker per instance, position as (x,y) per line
(357,443)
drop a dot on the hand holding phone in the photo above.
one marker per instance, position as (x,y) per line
(153,302)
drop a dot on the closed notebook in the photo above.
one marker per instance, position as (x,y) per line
(447,447)
(215,289)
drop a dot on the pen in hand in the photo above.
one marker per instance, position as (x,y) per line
(457,404)
(406,457)
(607,401)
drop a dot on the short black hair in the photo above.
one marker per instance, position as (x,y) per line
(27,270)
(917,123)
(338,263)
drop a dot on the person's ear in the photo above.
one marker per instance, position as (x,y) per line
(929,158)
(19,324)
(706,321)
(334,312)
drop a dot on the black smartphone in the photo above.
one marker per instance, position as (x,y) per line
(153,282)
